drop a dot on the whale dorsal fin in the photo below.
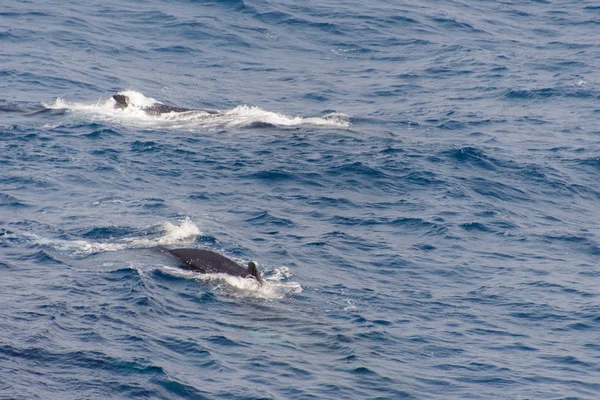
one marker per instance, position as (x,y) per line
(253,270)
(122,101)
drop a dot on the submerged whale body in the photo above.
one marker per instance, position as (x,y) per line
(206,261)
(122,102)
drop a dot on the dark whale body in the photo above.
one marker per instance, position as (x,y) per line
(122,102)
(206,261)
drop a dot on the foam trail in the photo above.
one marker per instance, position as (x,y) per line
(171,234)
(274,287)
(241,116)
(245,115)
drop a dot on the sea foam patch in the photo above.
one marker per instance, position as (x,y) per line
(276,283)
(165,234)
(241,116)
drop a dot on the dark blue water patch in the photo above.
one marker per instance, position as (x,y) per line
(363,371)
(273,176)
(30,16)
(546,93)
(264,218)
(403,19)
(579,326)
(517,346)
(318,97)
(145,146)
(224,341)
(424,179)
(583,242)
(392,150)
(326,201)
(317,243)
(497,190)
(430,228)
(7,200)
(560,288)
(570,46)
(357,169)
(452,24)
(202,31)
(566,360)
(534,313)
(41,257)
(593,162)
(344,241)
(201,196)
(53,82)
(475,226)
(132,295)
(123,274)
(301,23)
(83,359)
(173,387)
(470,156)
(150,203)
(424,247)
(446,72)
(12,107)
(176,49)
(487,381)
(8,132)
(489,332)
(101,133)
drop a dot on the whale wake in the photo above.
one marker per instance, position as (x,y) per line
(136,115)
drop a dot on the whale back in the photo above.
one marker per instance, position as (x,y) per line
(156,109)
(207,261)
(159,108)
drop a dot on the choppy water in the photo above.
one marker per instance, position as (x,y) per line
(418,181)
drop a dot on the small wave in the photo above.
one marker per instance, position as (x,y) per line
(546,93)
(240,116)
(6,200)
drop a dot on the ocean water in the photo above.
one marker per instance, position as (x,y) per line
(419,183)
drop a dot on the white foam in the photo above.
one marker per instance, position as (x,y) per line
(138,100)
(170,234)
(74,246)
(245,115)
(273,288)
(240,116)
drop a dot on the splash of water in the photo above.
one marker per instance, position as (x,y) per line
(275,286)
(169,234)
(240,116)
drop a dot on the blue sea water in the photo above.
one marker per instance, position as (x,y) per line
(419,183)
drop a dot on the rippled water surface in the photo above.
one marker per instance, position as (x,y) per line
(419,183)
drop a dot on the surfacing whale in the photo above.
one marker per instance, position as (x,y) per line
(207,261)
(122,102)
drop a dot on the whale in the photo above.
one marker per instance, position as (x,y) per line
(122,102)
(206,261)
